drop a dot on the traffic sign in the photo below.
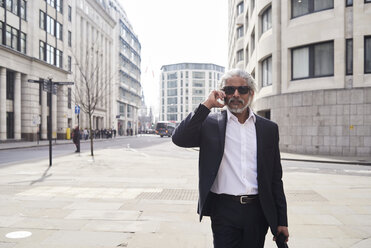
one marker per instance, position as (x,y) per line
(77,109)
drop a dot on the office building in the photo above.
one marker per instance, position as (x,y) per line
(127,91)
(67,41)
(33,44)
(184,86)
(311,61)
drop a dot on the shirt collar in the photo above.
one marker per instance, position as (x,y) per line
(251,115)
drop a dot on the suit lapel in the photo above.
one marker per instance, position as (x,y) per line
(259,143)
(222,124)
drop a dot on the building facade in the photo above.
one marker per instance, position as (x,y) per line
(184,86)
(33,44)
(93,65)
(127,91)
(311,61)
(64,40)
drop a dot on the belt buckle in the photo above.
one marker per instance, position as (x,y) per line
(243,197)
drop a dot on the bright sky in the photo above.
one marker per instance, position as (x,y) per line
(177,31)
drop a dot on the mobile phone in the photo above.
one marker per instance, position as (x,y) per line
(280,241)
(221,101)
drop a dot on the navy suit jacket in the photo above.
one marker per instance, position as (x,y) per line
(207,131)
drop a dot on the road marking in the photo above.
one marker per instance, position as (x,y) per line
(18,235)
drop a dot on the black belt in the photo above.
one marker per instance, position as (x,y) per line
(243,199)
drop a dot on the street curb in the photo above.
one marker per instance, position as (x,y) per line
(329,161)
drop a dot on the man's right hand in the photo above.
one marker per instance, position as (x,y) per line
(212,100)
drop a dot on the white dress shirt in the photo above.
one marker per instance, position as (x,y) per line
(237,173)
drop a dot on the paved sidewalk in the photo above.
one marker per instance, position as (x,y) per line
(147,199)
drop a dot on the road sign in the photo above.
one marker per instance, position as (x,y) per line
(77,109)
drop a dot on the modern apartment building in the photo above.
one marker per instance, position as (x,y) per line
(311,60)
(127,90)
(63,40)
(184,86)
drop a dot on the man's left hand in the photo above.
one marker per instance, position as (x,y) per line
(284,230)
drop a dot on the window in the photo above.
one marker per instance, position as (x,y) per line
(367,1)
(42,51)
(8,36)
(368,54)
(50,25)
(42,20)
(315,60)
(239,55)
(24,9)
(304,7)
(14,38)
(173,75)
(198,74)
(240,32)
(69,13)
(69,63)
(69,102)
(9,85)
(15,7)
(172,84)
(267,72)
(348,3)
(50,54)
(247,55)
(9,4)
(23,43)
(252,41)
(349,57)
(240,8)
(172,108)
(51,3)
(1,3)
(58,58)
(172,92)
(59,31)
(266,19)
(59,6)
(69,38)
(11,37)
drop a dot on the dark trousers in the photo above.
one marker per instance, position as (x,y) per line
(237,225)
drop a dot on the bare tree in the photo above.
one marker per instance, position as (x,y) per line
(92,82)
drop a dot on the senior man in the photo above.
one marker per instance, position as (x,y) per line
(240,173)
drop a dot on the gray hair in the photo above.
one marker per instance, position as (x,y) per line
(238,73)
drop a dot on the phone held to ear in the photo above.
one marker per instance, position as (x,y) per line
(221,101)
(280,241)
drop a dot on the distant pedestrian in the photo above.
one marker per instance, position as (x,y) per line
(86,134)
(76,137)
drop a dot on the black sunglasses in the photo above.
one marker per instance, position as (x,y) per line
(229,90)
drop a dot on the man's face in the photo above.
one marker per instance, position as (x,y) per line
(237,102)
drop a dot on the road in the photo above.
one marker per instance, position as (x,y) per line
(146,144)
(12,156)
